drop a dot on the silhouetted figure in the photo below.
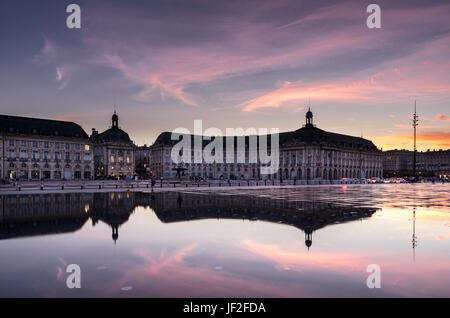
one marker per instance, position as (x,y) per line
(153,182)
(179,201)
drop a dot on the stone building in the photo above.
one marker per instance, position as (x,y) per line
(435,162)
(428,163)
(308,153)
(397,161)
(43,149)
(113,152)
(142,159)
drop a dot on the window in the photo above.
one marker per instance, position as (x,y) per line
(67,155)
(77,156)
(11,143)
(87,147)
(57,145)
(67,146)
(23,154)
(77,146)
(57,155)
(46,155)
(35,144)
(35,154)
(46,144)
(11,154)
(87,156)
(112,159)
(23,143)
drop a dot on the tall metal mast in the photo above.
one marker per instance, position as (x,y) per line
(415,123)
(414,236)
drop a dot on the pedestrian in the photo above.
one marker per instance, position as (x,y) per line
(153,182)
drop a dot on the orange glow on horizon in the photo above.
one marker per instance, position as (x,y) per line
(430,140)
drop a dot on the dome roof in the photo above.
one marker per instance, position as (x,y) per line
(308,135)
(41,127)
(311,134)
(114,134)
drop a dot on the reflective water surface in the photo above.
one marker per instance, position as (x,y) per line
(290,242)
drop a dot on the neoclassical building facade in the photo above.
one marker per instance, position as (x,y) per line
(312,153)
(114,152)
(43,149)
(428,163)
(308,153)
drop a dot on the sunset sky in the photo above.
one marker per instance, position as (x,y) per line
(232,64)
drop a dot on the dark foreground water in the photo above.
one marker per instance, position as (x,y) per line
(303,242)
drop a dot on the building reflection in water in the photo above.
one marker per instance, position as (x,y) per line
(31,215)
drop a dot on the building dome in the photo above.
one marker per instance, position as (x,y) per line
(114,134)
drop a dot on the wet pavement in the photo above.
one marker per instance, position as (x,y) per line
(312,241)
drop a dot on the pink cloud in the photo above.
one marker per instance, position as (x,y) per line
(168,71)
(47,53)
(402,79)
(396,273)
(50,54)
(61,77)
(287,259)
(443,237)
(174,278)
(443,117)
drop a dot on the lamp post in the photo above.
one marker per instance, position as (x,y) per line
(415,124)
